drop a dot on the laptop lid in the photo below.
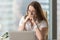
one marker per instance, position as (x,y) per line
(22,35)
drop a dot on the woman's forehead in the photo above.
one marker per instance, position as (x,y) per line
(31,8)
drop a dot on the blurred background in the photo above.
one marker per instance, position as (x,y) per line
(12,10)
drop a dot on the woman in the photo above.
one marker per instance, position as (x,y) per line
(34,20)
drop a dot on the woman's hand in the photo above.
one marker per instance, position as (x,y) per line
(27,19)
(22,27)
(32,20)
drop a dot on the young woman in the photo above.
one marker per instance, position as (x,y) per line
(34,20)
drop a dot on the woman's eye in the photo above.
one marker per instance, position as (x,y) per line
(31,13)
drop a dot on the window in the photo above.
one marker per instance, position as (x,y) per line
(12,10)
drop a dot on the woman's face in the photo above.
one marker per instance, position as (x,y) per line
(31,11)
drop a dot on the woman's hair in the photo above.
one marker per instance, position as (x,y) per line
(39,11)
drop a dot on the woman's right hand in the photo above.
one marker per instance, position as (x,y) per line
(22,27)
(27,19)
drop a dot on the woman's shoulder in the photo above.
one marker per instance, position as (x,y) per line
(43,23)
(22,18)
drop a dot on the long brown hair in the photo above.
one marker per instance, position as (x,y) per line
(39,11)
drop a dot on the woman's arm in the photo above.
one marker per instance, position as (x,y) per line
(45,32)
(39,34)
(40,31)
(23,23)
(22,27)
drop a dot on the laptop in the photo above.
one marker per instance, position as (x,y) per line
(22,35)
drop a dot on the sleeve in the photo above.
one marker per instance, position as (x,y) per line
(21,21)
(43,24)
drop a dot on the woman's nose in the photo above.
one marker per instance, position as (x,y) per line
(31,13)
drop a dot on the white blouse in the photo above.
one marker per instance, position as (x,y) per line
(42,24)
